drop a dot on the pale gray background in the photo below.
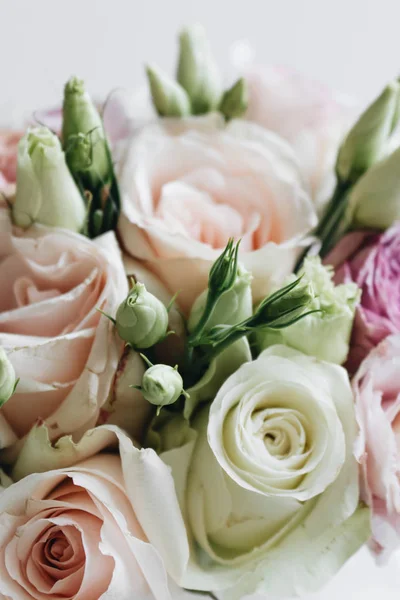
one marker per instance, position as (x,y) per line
(354,45)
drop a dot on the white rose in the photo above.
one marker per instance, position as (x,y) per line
(187,186)
(278,527)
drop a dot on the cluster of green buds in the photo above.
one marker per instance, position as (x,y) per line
(162,385)
(8,380)
(367,193)
(89,158)
(141,319)
(197,89)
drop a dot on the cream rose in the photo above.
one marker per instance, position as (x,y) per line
(189,185)
(72,533)
(64,352)
(280,516)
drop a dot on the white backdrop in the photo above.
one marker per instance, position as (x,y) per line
(353,45)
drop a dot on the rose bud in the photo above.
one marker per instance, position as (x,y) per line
(169,98)
(142,319)
(81,118)
(46,191)
(235,100)
(198,73)
(8,380)
(162,385)
(367,141)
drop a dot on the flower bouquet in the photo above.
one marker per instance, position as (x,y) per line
(200,338)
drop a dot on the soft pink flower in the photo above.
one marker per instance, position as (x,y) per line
(372,261)
(188,185)
(8,159)
(63,350)
(312,117)
(377,392)
(72,533)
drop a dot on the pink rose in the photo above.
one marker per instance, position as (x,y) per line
(313,118)
(377,392)
(8,159)
(63,350)
(372,261)
(72,533)
(189,185)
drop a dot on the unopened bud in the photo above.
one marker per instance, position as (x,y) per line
(141,320)
(235,100)
(367,142)
(162,385)
(169,98)
(198,72)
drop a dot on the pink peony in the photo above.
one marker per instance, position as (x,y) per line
(377,392)
(372,261)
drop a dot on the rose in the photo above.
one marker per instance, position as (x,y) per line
(274,509)
(372,261)
(8,160)
(189,185)
(377,392)
(313,118)
(72,533)
(279,433)
(64,351)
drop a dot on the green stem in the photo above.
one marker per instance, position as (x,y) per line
(324,228)
(205,317)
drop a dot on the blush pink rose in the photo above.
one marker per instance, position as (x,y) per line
(372,261)
(377,393)
(189,185)
(8,160)
(64,352)
(72,533)
(312,117)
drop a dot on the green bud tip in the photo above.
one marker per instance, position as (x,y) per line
(285,306)
(169,98)
(235,101)
(74,86)
(141,320)
(223,272)
(162,385)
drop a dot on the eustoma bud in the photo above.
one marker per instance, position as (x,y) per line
(46,191)
(326,332)
(198,73)
(162,385)
(7,378)
(235,100)
(367,141)
(141,320)
(169,98)
(83,135)
(375,199)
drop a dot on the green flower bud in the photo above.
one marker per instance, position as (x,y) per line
(80,116)
(161,385)
(367,141)
(374,201)
(7,378)
(46,191)
(235,100)
(141,320)
(169,98)
(282,308)
(324,334)
(233,306)
(198,72)
(224,270)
